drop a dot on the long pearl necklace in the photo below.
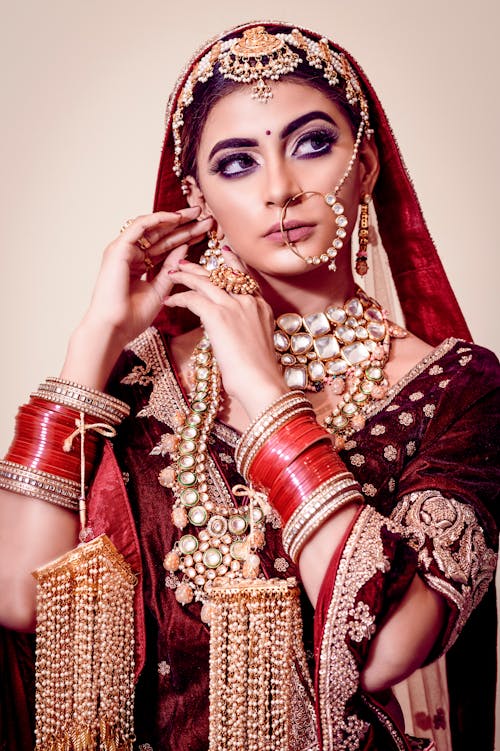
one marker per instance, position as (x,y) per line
(226,536)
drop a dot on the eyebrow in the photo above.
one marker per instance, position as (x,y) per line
(239,143)
(304,119)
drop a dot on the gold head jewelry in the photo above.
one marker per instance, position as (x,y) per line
(258,57)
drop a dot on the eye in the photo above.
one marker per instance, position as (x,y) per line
(234,165)
(315,143)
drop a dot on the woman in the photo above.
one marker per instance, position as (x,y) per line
(375,492)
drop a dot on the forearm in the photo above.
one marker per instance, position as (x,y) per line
(287,454)
(41,476)
(32,533)
(406,637)
(92,353)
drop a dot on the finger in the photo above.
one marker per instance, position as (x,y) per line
(199,283)
(163,282)
(155,225)
(164,229)
(192,301)
(190,233)
(231,259)
(193,268)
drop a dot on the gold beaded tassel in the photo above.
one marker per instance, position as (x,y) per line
(85,651)
(254,640)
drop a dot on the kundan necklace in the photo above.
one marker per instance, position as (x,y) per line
(216,562)
(255,623)
(346,347)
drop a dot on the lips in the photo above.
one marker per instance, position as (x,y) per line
(295,231)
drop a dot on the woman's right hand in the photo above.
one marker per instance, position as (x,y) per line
(123,299)
(124,303)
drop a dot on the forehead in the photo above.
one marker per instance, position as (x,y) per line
(237,114)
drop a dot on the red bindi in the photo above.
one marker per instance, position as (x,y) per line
(268,132)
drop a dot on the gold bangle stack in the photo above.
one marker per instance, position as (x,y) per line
(83,399)
(325,501)
(17,478)
(281,411)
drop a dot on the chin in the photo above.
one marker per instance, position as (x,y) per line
(289,267)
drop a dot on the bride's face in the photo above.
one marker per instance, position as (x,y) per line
(252,157)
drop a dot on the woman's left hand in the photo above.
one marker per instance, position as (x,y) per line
(240,329)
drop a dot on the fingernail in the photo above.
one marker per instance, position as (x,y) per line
(172,271)
(183,260)
(226,247)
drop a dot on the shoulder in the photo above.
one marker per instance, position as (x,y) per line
(473,366)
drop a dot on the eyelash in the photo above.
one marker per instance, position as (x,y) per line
(328,137)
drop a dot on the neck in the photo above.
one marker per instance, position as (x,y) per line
(310,292)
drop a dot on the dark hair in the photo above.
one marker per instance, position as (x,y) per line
(206,95)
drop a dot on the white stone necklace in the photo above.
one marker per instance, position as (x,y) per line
(346,347)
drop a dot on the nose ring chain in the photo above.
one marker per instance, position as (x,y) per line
(341,221)
(338,209)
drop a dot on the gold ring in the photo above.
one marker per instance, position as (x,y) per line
(143,243)
(127,224)
(148,262)
(233,280)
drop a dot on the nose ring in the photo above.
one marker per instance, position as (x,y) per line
(289,202)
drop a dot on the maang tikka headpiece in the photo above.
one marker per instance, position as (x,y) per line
(258,57)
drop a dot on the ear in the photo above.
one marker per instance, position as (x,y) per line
(370,165)
(195,197)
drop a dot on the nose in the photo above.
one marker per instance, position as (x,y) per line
(281,182)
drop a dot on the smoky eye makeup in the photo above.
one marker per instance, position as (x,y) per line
(233,165)
(315,142)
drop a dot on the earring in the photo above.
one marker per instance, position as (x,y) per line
(361,264)
(212,257)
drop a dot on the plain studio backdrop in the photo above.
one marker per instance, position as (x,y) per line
(83,98)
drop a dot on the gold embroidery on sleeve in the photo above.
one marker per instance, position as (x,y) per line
(446,532)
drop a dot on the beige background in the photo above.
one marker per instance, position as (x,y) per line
(83,95)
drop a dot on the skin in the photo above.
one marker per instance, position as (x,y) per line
(239,191)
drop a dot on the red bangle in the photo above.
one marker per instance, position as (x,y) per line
(295,483)
(282,448)
(41,430)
